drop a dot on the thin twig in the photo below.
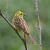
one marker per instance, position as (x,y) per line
(23,39)
(7,8)
(25,42)
(39,26)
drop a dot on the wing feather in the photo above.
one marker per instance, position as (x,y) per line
(21,24)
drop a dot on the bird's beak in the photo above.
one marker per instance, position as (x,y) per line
(24,14)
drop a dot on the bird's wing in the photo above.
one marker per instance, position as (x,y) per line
(21,24)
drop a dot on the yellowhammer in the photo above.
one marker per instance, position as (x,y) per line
(20,24)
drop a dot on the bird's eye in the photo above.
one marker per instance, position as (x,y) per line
(21,14)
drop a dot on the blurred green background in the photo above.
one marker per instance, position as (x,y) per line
(9,40)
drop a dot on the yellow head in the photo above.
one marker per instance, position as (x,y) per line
(19,14)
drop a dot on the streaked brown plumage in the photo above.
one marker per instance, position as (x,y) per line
(20,24)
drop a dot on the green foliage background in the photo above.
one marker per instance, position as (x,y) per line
(9,40)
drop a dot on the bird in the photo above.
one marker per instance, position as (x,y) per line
(19,24)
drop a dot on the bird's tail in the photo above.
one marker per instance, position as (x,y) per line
(31,39)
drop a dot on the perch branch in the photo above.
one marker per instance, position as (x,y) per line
(23,39)
(39,26)
(25,42)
